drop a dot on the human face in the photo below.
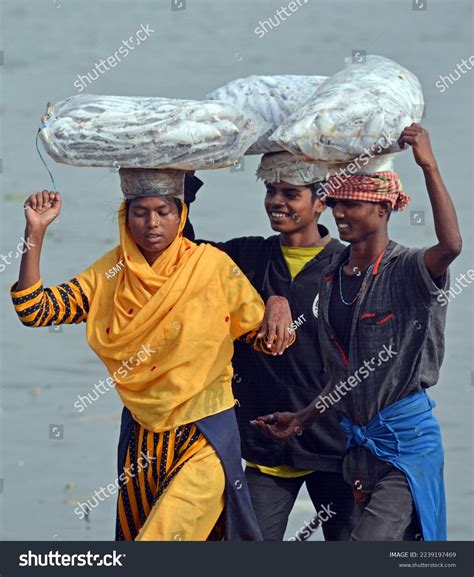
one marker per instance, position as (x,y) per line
(153,222)
(291,208)
(356,220)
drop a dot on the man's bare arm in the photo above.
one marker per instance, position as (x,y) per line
(441,255)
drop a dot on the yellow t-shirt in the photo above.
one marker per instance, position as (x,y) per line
(296,258)
(280,471)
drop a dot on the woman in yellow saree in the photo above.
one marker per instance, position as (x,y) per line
(162,314)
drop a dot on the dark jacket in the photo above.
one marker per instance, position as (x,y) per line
(396,346)
(263,383)
(397,334)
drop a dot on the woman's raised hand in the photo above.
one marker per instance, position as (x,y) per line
(42,208)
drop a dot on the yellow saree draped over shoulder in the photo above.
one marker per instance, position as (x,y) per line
(165,332)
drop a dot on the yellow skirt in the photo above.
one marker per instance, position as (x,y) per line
(172,487)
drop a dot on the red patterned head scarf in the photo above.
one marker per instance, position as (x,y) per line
(376,187)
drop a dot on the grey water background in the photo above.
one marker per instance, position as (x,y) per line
(192,50)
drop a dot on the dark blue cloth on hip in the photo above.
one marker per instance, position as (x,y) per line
(406,434)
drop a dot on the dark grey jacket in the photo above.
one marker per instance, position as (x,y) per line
(396,347)
(397,334)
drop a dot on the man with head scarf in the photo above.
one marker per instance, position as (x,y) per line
(382,336)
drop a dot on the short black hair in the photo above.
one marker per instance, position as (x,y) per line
(389,212)
(317,190)
(179,205)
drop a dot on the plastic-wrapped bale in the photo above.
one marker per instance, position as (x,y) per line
(284,166)
(274,98)
(132,132)
(384,163)
(364,107)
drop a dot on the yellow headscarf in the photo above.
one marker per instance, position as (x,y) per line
(165,332)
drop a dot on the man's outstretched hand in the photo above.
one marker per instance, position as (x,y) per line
(279,426)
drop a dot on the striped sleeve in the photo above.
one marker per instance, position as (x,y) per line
(36,306)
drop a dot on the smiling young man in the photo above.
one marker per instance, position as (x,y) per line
(382,337)
(289,264)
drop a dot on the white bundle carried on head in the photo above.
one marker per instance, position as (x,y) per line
(285,167)
(136,132)
(274,98)
(344,170)
(364,107)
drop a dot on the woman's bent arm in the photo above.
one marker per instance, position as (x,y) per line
(35,306)
(40,211)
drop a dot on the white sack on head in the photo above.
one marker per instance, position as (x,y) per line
(274,98)
(136,132)
(285,167)
(381,163)
(344,170)
(366,106)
